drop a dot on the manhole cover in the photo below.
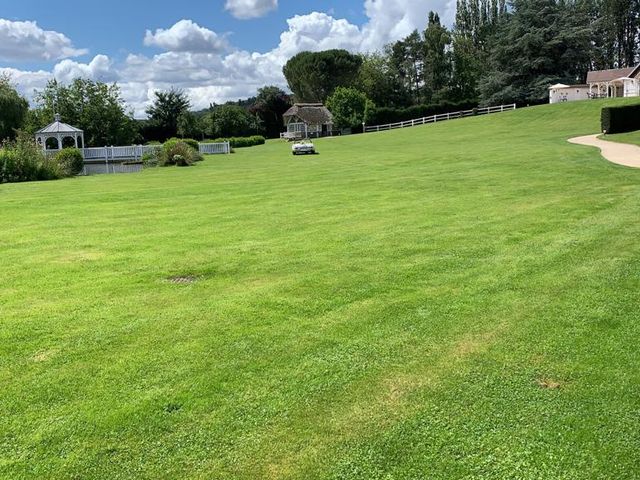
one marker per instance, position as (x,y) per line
(183,280)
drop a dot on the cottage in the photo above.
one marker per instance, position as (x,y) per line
(307,120)
(616,82)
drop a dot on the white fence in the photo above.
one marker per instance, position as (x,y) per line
(440,118)
(135,152)
(214,148)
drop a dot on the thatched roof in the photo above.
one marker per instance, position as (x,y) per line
(610,75)
(310,113)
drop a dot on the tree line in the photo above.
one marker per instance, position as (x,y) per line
(495,53)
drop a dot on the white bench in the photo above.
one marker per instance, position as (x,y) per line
(291,136)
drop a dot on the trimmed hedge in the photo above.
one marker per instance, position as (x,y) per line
(625,118)
(385,115)
(240,142)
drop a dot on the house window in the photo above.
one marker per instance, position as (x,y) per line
(296,127)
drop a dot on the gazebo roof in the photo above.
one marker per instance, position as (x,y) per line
(58,127)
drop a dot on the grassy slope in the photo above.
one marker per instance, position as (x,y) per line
(386,309)
(629,137)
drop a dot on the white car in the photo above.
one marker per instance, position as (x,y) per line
(303,148)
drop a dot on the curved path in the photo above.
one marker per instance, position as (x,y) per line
(620,153)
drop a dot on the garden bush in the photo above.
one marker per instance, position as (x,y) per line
(189,141)
(150,159)
(180,161)
(177,148)
(624,118)
(23,160)
(70,160)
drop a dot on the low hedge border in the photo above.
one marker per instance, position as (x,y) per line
(240,142)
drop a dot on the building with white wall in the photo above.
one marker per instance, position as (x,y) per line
(616,82)
(567,93)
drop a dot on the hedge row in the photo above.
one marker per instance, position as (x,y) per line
(385,115)
(241,142)
(625,118)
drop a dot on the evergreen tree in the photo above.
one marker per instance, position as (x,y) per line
(542,42)
(270,104)
(437,58)
(313,76)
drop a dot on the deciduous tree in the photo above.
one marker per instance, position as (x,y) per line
(95,107)
(167,108)
(231,121)
(348,107)
(13,109)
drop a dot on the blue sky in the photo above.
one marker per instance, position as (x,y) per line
(216,50)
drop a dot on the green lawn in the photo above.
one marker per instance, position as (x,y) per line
(629,137)
(458,300)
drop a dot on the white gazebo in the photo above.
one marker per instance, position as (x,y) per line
(59,131)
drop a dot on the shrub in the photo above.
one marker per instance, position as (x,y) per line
(150,159)
(177,148)
(624,118)
(241,142)
(180,161)
(189,141)
(23,160)
(70,161)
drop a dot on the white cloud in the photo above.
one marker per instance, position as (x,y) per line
(246,9)
(99,69)
(27,41)
(318,31)
(186,36)
(200,62)
(391,20)
(27,81)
